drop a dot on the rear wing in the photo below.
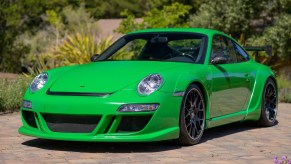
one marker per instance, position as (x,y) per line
(256,49)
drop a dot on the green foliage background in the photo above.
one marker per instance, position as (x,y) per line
(32,28)
(254,23)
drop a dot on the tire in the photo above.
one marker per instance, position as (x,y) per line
(192,116)
(269,107)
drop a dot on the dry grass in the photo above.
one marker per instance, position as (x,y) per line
(284,85)
(12,89)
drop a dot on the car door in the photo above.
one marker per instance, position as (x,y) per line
(247,70)
(230,82)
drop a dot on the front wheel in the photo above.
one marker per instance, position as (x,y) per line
(269,104)
(192,116)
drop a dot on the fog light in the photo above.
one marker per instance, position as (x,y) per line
(27,104)
(138,107)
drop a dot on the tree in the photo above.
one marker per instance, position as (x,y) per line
(279,36)
(10,54)
(234,16)
(264,23)
(18,17)
(158,4)
(174,15)
(113,8)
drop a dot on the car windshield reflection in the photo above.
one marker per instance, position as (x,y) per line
(173,47)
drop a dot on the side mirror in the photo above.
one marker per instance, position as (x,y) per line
(94,57)
(219,60)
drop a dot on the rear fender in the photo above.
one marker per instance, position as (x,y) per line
(255,103)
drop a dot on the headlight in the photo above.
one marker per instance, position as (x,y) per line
(149,84)
(38,82)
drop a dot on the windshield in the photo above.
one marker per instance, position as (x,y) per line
(175,47)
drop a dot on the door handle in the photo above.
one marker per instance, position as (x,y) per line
(247,76)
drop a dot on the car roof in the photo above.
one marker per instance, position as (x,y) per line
(193,30)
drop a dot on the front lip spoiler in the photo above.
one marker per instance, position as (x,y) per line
(57,93)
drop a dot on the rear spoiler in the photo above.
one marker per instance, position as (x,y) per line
(256,49)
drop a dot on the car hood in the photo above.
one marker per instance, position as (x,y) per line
(108,76)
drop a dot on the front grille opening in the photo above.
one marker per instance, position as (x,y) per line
(133,123)
(71,123)
(29,118)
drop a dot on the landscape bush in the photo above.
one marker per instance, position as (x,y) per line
(284,87)
(11,93)
(76,49)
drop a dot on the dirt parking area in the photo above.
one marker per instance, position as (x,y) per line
(7,75)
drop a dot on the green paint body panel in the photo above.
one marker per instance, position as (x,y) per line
(230,95)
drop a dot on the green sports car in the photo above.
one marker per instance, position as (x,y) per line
(152,85)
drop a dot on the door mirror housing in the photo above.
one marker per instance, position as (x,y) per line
(94,57)
(219,60)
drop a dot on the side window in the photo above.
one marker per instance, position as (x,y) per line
(221,46)
(232,52)
(240,53)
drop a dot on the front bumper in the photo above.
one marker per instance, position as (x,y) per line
(167,134)
(112,126)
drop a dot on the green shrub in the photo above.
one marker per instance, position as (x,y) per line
(285,95)
(76,49)
(173,15)
(11,93)
(60,28)
(284,86)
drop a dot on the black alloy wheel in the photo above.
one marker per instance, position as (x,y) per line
(269,104)
(192,116)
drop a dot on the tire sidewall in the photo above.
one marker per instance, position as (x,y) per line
(263,119)
(184,136)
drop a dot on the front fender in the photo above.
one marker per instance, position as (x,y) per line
(201,77)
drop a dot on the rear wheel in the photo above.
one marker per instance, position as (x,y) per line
(192,116)
(269,104)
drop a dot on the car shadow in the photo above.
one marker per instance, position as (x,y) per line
(221,131)
(102,147)
(136,147)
